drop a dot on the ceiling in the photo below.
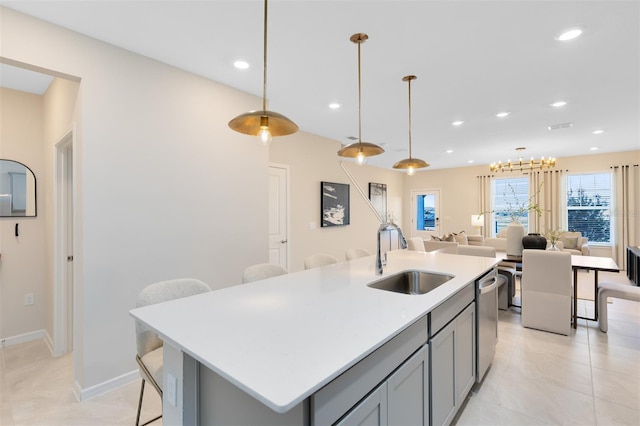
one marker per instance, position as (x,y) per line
(473,59)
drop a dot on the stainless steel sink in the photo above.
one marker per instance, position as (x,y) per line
(411,282)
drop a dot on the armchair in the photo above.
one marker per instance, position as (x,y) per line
(575,243)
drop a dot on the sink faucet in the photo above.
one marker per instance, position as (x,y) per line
(403,243)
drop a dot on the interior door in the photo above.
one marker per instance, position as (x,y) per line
(425,213)
(279,215)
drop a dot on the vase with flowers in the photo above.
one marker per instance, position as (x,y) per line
(553,236)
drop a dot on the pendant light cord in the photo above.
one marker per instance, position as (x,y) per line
(359,98)
(264,63)
(409,81)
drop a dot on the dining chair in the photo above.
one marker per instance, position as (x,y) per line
(316,260)
(546,289)
(262,271)
(355,253)
(506,275)
(149,346)
(415,244)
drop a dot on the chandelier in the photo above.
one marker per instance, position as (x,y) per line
(522,165)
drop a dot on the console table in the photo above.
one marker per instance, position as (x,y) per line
(633,264)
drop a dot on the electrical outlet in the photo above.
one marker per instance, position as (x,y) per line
(29,299)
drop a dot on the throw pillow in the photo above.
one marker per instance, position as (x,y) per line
(449,237)
(569,242)
(461,238)
(436,238)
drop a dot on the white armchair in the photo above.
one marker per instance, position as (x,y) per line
(546,290)
(575,243)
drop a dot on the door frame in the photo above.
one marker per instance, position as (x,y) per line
(64,298)
(286,169)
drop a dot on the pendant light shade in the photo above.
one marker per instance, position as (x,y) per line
(410,164)
(262,123)
(360,150)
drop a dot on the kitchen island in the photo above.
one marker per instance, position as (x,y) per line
(270,346)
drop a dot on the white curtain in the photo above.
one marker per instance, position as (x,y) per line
(484,202)
(626,212)
(546,188)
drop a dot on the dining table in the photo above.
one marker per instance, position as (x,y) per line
(578,262)
(589,263)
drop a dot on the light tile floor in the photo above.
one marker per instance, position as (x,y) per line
(540,378)
(536,378)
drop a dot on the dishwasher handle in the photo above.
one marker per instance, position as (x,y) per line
(486,288)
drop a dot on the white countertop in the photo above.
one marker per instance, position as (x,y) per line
(282,339)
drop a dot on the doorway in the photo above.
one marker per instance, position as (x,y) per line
(279,215)
(425,213)
(64,219)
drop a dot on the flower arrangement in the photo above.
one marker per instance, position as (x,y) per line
(518,209)
(554,235)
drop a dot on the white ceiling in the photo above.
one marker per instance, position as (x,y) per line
(473,59)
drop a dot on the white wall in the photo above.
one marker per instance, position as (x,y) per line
(313,159)
(156,163)
(23,264)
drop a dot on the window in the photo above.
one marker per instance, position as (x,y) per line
(508,195)
(589,206)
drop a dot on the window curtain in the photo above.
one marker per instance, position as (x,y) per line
(484,202)
(625,213)
(546,189)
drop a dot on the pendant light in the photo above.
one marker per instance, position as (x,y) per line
(360,150)
(263,123)
(410,164)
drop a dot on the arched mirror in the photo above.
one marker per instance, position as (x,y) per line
(17,190)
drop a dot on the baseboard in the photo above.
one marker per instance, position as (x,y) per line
(23,338)
(106,386)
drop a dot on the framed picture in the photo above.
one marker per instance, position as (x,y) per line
(378,198)
(334,204)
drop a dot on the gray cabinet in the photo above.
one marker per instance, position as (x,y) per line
(452,356)
(402,399)
(371,411)
(465,353)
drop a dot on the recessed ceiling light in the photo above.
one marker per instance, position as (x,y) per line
(569,34)
(502,114)
(598,132)
(594,148)
(470,161)
(334,105)
(457,123)
(558,104)
(449,151)
(241,65)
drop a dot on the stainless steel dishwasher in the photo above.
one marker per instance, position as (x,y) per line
(487,321)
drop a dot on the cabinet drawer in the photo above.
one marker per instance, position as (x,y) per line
(336,398)
(448,310)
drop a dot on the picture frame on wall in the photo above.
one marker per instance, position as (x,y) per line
(378,198)
(334,204)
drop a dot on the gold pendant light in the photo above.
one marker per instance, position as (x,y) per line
(360,150)
(263,123)
(410,164)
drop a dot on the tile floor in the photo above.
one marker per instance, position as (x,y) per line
(537,378)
